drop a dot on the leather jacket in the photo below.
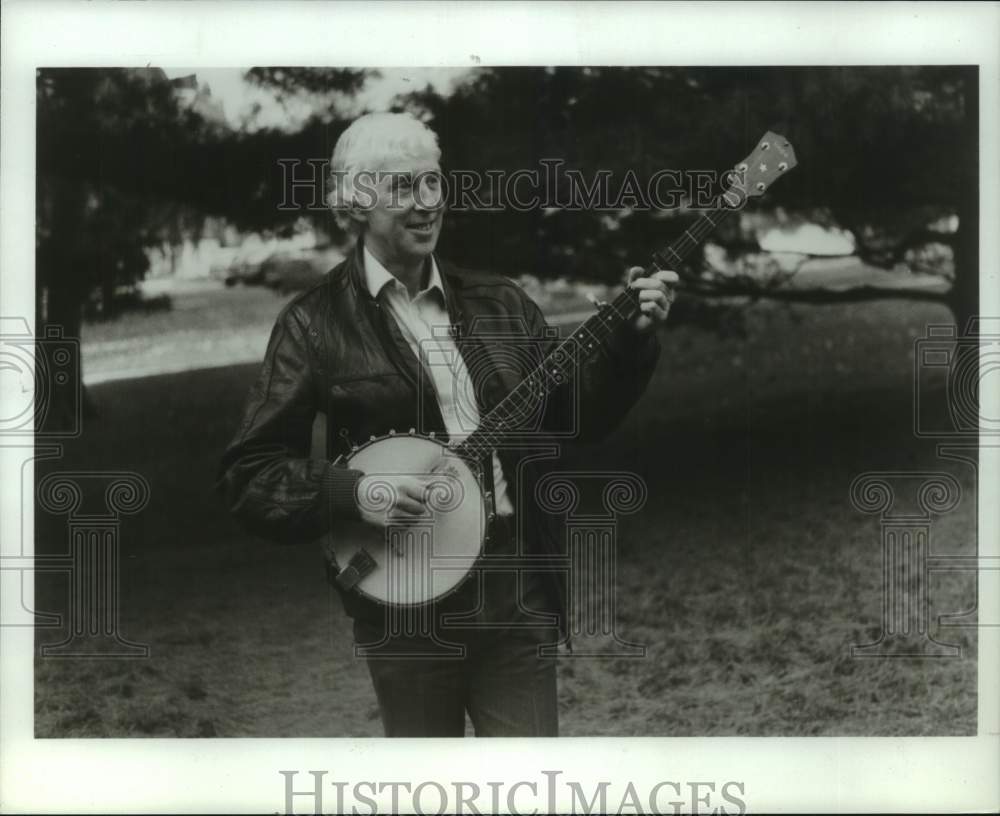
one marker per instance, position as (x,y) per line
(335,351)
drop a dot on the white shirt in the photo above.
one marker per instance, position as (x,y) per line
(438,353)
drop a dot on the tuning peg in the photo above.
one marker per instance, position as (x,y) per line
(593,299)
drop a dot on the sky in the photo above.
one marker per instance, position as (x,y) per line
(239,96)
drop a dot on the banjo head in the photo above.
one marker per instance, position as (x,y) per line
(421,560)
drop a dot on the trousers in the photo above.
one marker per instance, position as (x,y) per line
(479,654)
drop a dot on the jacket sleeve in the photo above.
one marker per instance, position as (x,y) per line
(266,477)
(607,385)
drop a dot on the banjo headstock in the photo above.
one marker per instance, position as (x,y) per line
(771,158)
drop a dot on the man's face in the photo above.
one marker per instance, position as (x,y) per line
(404,224)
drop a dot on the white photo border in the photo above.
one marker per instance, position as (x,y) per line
(242,775)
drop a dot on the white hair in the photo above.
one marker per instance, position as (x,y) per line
(369,142)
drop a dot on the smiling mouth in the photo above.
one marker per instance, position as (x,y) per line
(422,227)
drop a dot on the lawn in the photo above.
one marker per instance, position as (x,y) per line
(747,575)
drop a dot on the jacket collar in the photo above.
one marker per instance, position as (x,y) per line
(450,280)
(377,277)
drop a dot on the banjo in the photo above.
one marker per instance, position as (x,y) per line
(413,562)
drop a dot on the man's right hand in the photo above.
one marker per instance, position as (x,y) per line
(384,499)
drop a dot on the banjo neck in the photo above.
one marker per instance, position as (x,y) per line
(560,366)
(409,564)
(771,158)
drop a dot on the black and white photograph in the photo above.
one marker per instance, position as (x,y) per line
(385,394)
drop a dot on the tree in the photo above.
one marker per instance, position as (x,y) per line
(323,82)
(260,164)
(128,160)
(881,148)
(116,166)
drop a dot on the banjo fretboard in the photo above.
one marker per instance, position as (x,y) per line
(520,410)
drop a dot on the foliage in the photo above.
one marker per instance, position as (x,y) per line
(257,183)
(124,163)
(874,144)
(323,81)
(118,170)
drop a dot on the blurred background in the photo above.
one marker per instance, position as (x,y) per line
(166,244)
(159,190)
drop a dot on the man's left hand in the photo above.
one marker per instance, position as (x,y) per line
(656,293)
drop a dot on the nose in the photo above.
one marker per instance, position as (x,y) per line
(428,195)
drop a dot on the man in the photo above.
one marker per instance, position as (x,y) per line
(355,349)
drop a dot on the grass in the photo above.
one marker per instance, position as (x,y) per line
(747,575)
(208,325)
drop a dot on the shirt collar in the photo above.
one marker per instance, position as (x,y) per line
(377,276)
